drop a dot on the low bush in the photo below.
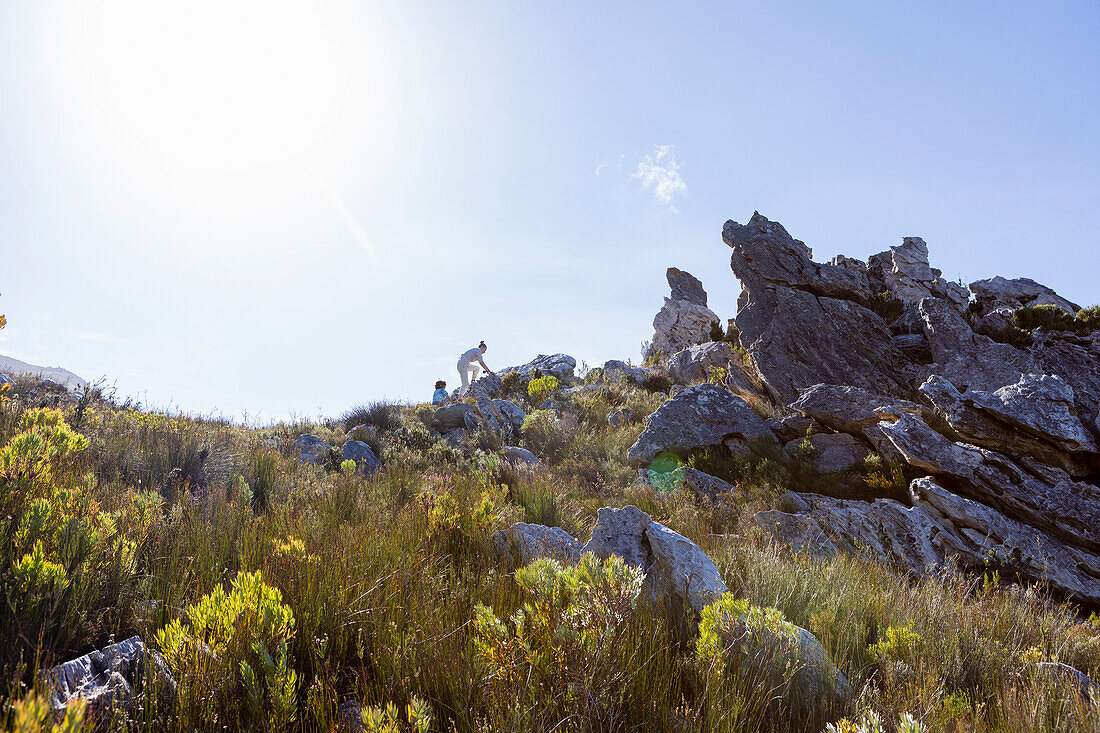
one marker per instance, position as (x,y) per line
(386,416)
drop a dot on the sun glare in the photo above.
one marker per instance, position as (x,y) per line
(221,95)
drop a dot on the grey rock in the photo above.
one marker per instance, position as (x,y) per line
(1075,360)
(678,325)
(109,678)
(523,543)
(675,567)
(943,530)
(553,365)
(1065,673)
(965,358)
(998,292)
(511,413)
(698,417)
(1045,497)
(615,370)
(457,438)
(796,339)
(452,417)
(829,452)
(5,379)
(996,321)
(764,253)
(1034,417)
(707,487)
(312,449)
(848,409)
(790,427)
(366,463)
(690,365)
(905,272)
(622,416)
(349,717)
(798,531)
(519,456)
(686,286)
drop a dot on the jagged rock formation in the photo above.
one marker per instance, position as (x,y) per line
(553,365)
(690,365)
(1017,481)
(110,677)
(684,320)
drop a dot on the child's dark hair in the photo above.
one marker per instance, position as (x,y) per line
(440,384)
(481,345)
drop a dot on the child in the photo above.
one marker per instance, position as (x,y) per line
(440,393)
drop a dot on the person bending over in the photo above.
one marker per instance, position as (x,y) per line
(468,370)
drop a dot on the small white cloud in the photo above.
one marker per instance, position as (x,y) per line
(659,173)
(600,167)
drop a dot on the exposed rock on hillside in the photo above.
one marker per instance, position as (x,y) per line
(997,292)
(684,320)
(554,365)
(690,365)
(701,416)
(111,677)
(904,272)
(802,323)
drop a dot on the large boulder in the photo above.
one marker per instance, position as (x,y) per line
(312,449)
(366,463)
(552,365)
(1043,496)
(998,292)
(615,370)
(1034,417)
(798,531)
(690,365)
(848,409)
(905,273)
(699,417)
(452,417)
(523,543)
(829,452)
(517,456)
(678,325)
(109,678)
(675,567)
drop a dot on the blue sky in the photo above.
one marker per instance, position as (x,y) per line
(283,208)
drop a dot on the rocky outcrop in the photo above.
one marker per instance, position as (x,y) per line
(905,273)
(707,487)
(674,566)
(112,677)
(798,531)
(848,409)
(312,449)
(690,365)
(522,543)
(366,463)
(1034,417)
(829,452)
(701,416)
(1044,497)
(802,323)
(684,320)
(686,287)
(942,526)
(519,456)
(619,418)
(998,292)
(615,371)
(452,417)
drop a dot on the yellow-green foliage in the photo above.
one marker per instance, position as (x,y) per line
(729,620)
(31,458)
(871,723)
(32,714)
(386,719)
(566,632)
(539,388)
(233,630)
(898,644)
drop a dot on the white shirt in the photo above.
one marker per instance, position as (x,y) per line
(470,357)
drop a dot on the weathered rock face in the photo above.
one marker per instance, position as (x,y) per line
(107,678)
(673,564)
(1034,417)
(904,271)
(366,463)
(997,292)
(708,487)
(1077,361)
(684,320)
(848,409)
(764,253)
(678,325)
(829,452)
(700,416)
(522,543)
(622,416)
(452,417)
(690,365)
(1047,498)
(519,456)
(941,525)
(965,358)
(312,449)
(802,323)
(686,286)
(614,371)
(554,365)
(798,531)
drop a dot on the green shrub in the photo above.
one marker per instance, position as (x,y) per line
(1054,318)
(544,434)
(385,416)
(542,387)
(887,306)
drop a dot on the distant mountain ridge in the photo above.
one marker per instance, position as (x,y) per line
(14,368)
